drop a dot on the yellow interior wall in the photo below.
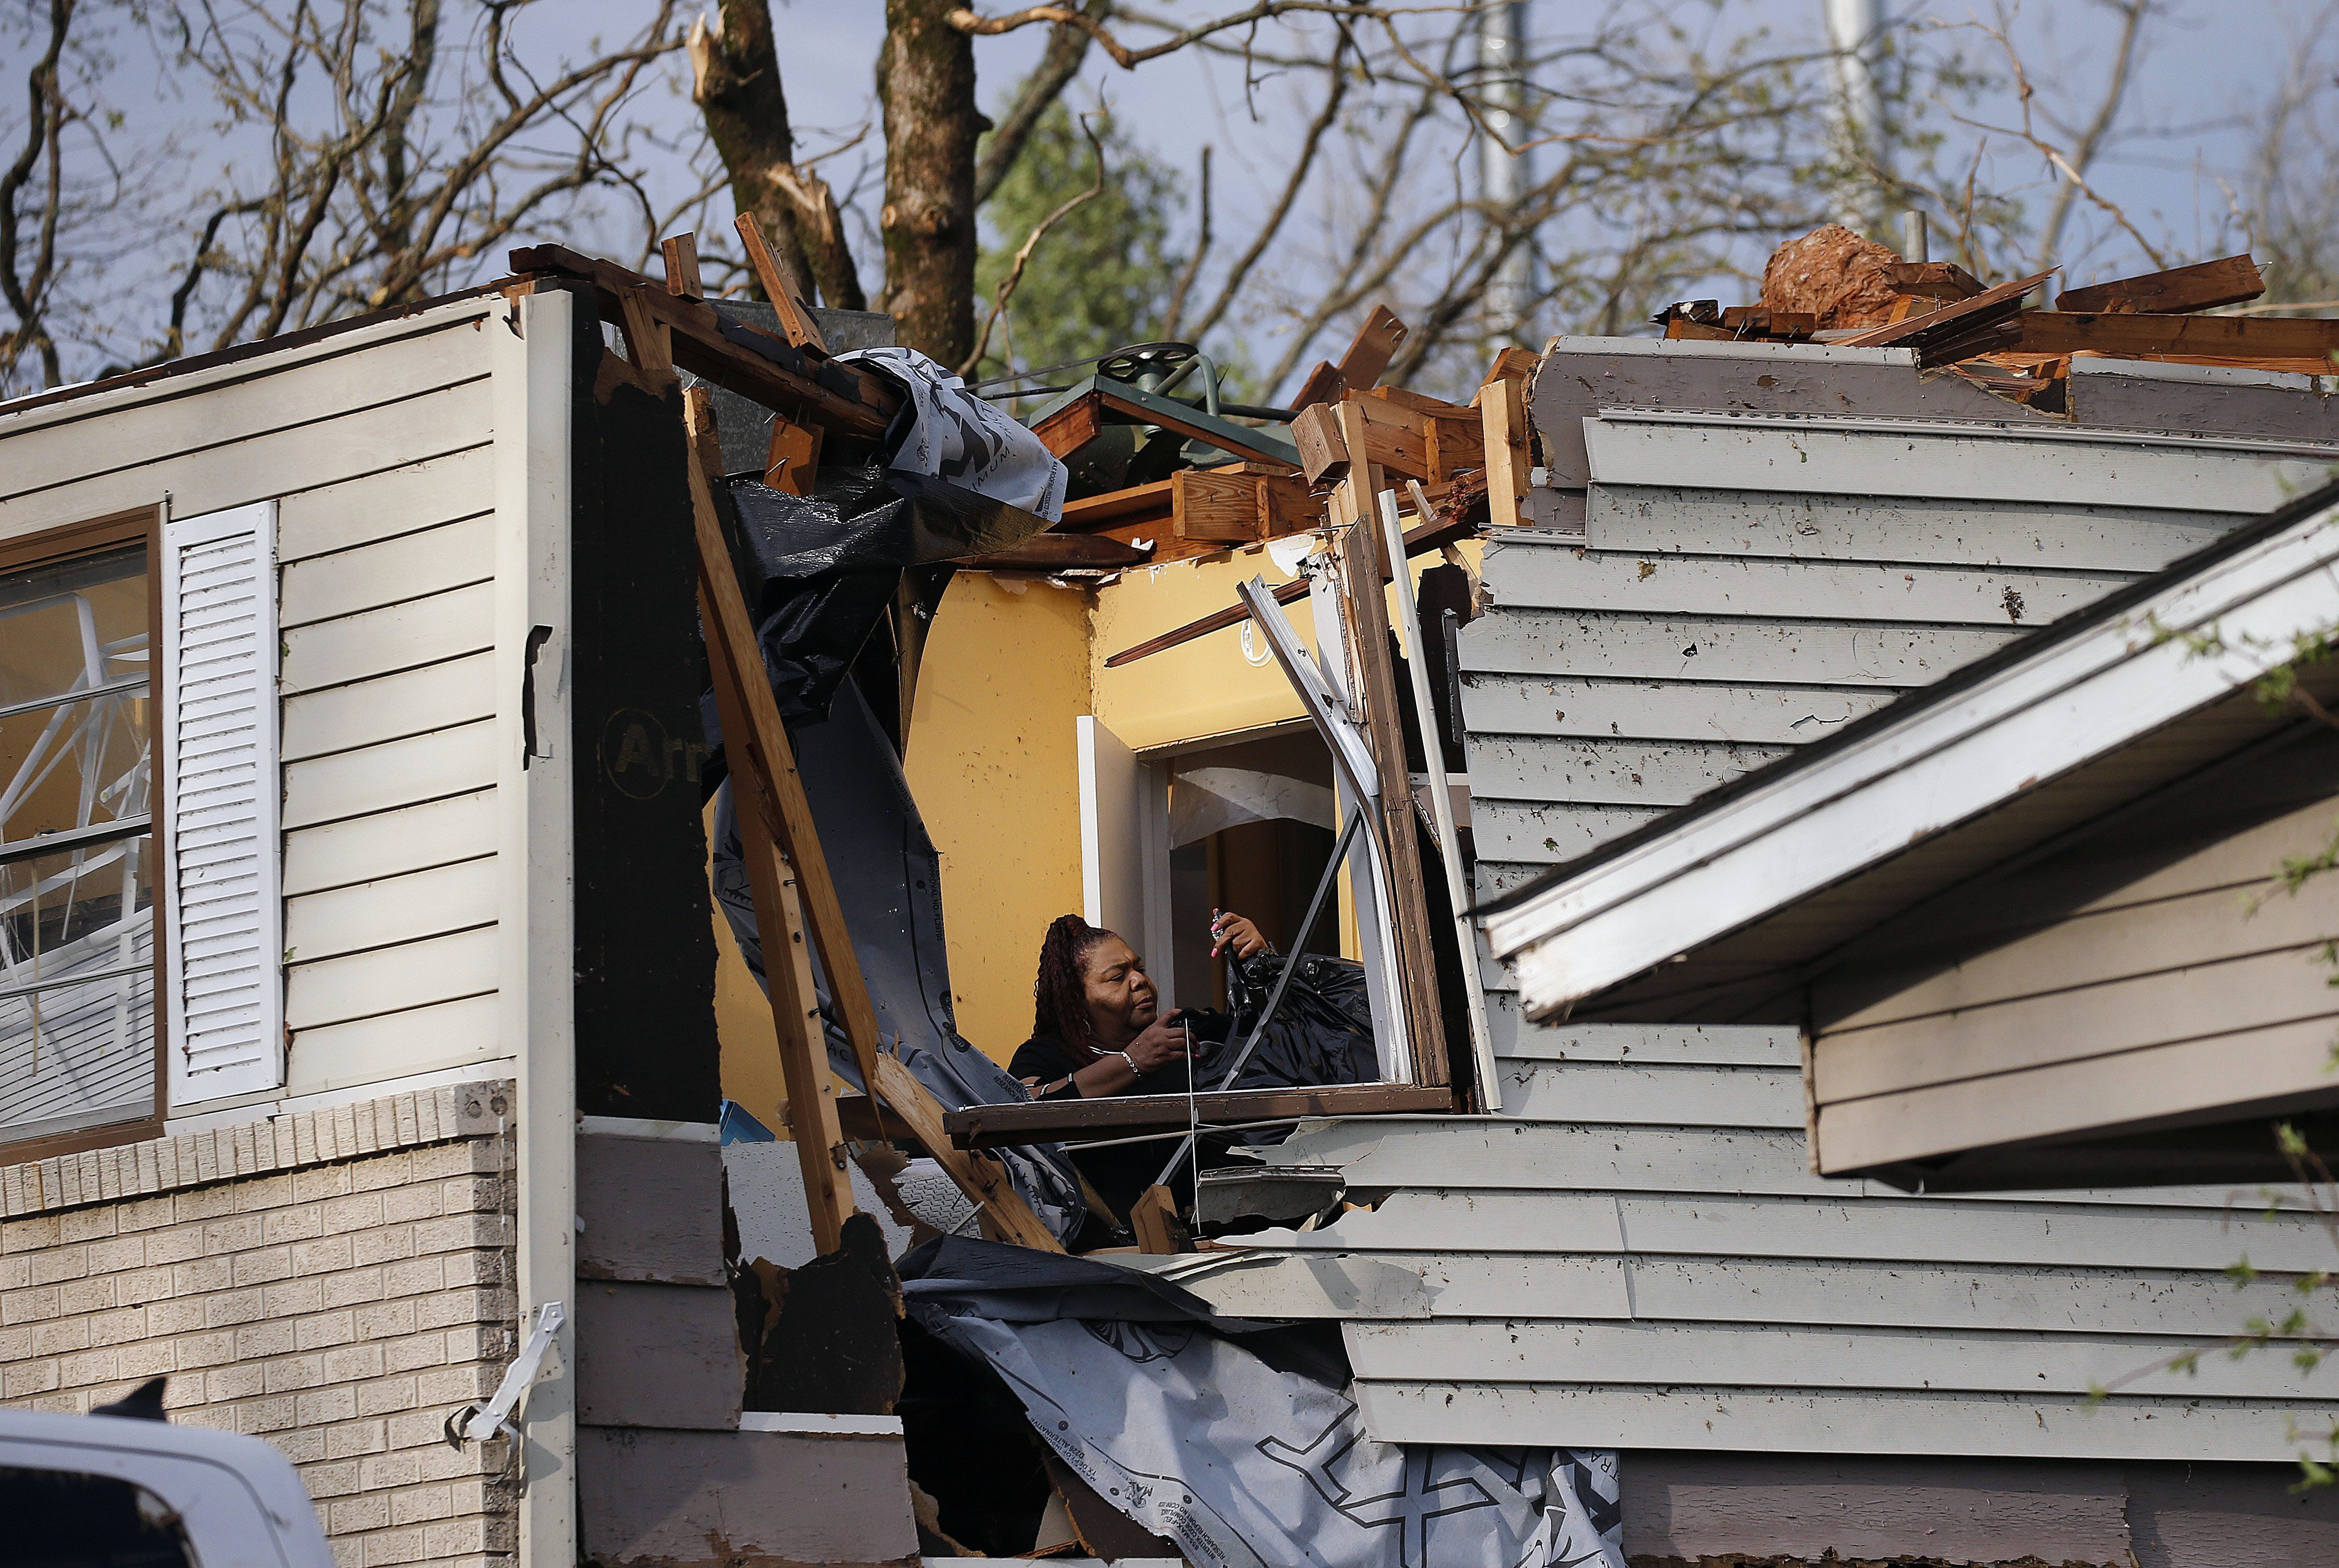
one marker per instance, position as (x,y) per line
(995,769)
(1206,687)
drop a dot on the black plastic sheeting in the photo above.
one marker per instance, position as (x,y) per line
(1322,1033)
(867,822)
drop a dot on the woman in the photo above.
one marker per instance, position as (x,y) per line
(1097,1029)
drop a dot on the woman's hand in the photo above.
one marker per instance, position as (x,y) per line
(1231,933)
(1162,1042)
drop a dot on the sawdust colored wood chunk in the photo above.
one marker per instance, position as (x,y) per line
(1154,1217)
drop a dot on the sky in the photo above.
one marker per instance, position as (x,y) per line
(2191,90)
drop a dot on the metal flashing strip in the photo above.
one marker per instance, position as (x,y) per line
(813,1424)
(72,838)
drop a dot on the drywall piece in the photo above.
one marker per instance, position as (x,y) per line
(649,1209)
(671,1498)
(657,1355)
(1695,1505)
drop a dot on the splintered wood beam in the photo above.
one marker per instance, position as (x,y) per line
(1091,512)
(1503,413)
(759,366)
(1513,364)
(787,963)
(1374,345)
(2203,286)
(1965,315)
(2224,337)
(1323,455)
(1932,279)
(1374,678)
(779,288)
(767,787)
(681,253)
(1154,1220)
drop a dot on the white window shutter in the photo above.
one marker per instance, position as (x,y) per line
(224,942)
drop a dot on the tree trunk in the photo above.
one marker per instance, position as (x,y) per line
(737,85)
(925,82)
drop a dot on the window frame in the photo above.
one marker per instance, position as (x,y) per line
(54,547)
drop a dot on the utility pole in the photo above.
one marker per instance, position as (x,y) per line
(1503,174)
(1856,32)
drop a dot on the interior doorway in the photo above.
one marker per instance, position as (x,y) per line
(1251,825)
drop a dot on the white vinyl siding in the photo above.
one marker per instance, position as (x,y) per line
(1637,1252)
(223,1004)
(378,448)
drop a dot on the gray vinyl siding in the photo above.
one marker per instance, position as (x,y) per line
(378,445)
(1637,1252)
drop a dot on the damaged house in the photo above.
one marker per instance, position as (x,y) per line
(388,1072)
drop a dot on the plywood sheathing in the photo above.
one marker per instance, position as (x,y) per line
(1834,275)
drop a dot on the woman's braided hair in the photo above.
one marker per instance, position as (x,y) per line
(1060,996)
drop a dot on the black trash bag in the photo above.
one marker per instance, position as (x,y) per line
(818,572)
(1322,1032)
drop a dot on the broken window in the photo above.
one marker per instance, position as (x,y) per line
(76,858)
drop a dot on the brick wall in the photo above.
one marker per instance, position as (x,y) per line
(339,1308)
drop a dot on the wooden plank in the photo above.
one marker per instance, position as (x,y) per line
(1286,505)
(1932,279)
(1597,707)
(1640,773)
(1654,519)
(1061,1120)
(1094,511)
(390,707)
(1683,648)
(411,567)
(2232,338)
(1683,1096)
(431,357)
(1370,353)
(1154,1217)
(368,441)
(2202,286)
(448,762)
(1668,1044)
(1503,415)
(1944,463)
(2270,1070)
(389,911)
(1072,427)
(756,364)
(1374,681)
(1991,304)
(391,1045)
(1797,1355)
(1689,1417)
(380,505)
(1323,454)
(1397,438)
(392,979)
(1511,364)
(798,1033)
(1544,576)
(362,849)
(1061,552)
(1214,504)
(779,287)
(680,252)
(424,631)
(1005,1216)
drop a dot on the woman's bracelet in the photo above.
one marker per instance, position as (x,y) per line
(1134,1070)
